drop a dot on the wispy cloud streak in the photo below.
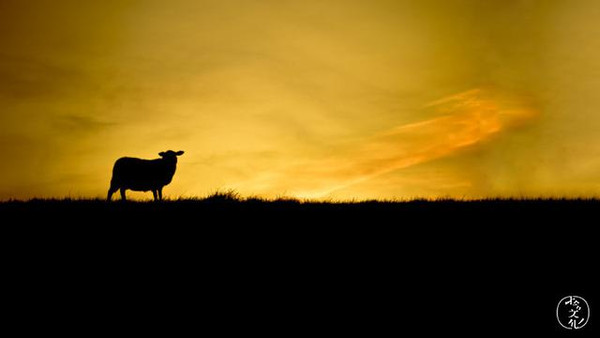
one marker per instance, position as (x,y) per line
(461,120)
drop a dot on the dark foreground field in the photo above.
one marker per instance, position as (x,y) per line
(317,268)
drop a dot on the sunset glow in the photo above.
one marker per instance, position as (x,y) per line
(319,99)
(466,119)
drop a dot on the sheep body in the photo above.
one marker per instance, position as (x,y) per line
(143,175)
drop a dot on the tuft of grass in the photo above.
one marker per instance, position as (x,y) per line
(224,196)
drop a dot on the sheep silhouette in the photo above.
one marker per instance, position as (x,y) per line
(143,175)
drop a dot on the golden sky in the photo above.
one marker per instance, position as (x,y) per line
(314,98)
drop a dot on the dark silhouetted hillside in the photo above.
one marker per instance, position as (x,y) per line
(443,266)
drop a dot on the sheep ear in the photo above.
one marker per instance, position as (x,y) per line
(179,153)
(161,154)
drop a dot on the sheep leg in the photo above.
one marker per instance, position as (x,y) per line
(110,193)
(113,188)
(154,193)
(160,194)
(123,198)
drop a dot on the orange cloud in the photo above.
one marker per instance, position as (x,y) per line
(462,120)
